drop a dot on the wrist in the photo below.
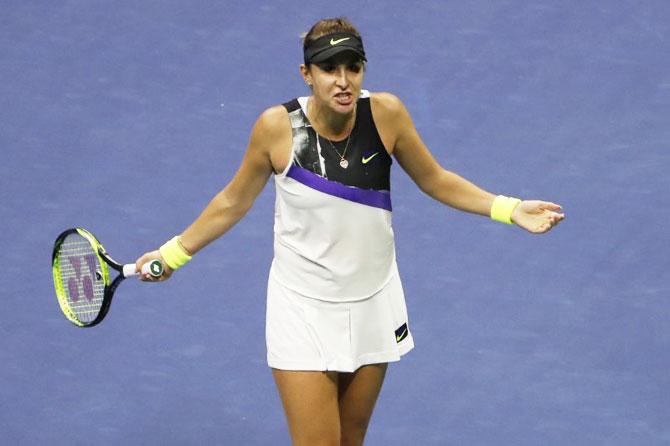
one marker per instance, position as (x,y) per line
(174,254)
(187,251)
(503,207)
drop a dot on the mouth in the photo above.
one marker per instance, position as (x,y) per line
(344,98)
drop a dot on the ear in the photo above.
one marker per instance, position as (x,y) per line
(306,74)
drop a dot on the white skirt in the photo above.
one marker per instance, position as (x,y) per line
(303,333)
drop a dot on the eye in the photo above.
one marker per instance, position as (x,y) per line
(355,67)
(327,67)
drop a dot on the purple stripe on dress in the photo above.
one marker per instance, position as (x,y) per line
(374,198)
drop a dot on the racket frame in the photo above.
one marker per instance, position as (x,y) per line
(105,261)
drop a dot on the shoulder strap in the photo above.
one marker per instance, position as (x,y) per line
(363,108)
(291,105)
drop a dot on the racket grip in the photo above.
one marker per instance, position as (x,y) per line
(154,268)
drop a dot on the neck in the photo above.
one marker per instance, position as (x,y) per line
(330,125)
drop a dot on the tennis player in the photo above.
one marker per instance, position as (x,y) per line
(336,313)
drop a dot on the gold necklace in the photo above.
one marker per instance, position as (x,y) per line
(343,162)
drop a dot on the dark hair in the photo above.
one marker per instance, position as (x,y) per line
(329,26)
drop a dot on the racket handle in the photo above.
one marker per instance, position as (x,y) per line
(154,268)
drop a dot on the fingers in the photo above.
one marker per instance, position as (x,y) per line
(167,272)
(549,206)
(538,216)
(148,257)
(554,217)
(551,220)
(540,228)
(552,211)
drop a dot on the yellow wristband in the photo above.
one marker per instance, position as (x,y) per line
(174,253)
(502,208)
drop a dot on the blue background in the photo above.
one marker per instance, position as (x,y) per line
(127,117)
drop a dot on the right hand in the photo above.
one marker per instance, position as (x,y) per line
(148,257)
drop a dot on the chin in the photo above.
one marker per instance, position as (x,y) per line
(344,110)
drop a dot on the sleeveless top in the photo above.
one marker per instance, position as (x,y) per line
(333,234)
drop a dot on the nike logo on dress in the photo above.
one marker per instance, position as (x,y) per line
(335,42)
(401,333)
(367,160)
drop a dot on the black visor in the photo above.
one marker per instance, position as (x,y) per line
(329,45)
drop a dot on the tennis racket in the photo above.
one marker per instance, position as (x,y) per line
(83,285)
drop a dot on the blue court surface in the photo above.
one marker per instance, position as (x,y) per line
(126,117)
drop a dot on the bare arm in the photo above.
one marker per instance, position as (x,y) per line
(234,201)
(414,157)
(403,140)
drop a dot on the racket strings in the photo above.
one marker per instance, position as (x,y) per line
(81,277)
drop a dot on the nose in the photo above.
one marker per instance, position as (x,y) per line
(341,77)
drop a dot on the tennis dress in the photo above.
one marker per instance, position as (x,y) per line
(335,300)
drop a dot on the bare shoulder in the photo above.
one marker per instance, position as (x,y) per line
(386,103)
(271,126)
(391,118)
(273,121)
(272,136)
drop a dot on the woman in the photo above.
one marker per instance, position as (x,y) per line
(336,312)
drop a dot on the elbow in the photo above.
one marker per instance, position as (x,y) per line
(432,184)
(230,206)
(237,209)
(243,207)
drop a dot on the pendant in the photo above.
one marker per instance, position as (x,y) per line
(344,163)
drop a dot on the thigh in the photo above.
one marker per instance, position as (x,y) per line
(311,406)
(357,395)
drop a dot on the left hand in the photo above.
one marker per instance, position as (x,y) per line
(537,216)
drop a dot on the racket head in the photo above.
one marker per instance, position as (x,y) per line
(81,277)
